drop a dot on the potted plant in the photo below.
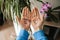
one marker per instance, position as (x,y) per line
(1,18)
(50,10)
(1,15)
(13,8)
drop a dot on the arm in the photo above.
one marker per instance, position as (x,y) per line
(25,24)
(40,35)
(37,20)
(23,35)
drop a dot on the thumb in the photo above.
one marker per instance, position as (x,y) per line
(18,19)
(45,16)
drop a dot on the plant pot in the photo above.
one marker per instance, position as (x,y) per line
(48,18)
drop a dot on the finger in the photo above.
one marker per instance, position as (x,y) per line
(45,16)
(18,19)
(37,12)
(28,13)
(33,13)
(24,11)
(42,16)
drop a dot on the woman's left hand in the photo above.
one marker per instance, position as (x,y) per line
(25,20)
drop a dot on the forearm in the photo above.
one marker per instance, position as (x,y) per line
(40,35)
(23,35)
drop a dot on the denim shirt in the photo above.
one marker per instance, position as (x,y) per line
(39,35)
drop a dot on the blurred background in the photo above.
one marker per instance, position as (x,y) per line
(9,9)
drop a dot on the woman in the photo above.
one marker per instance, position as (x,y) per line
(35,19)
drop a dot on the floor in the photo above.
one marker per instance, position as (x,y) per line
(7,32)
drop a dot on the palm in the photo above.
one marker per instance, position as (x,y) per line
(25,20)
(37,19)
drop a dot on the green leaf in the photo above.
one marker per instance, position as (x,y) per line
(53,18)
(56,8)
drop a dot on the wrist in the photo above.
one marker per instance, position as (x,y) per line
(34,30)
(26,27)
